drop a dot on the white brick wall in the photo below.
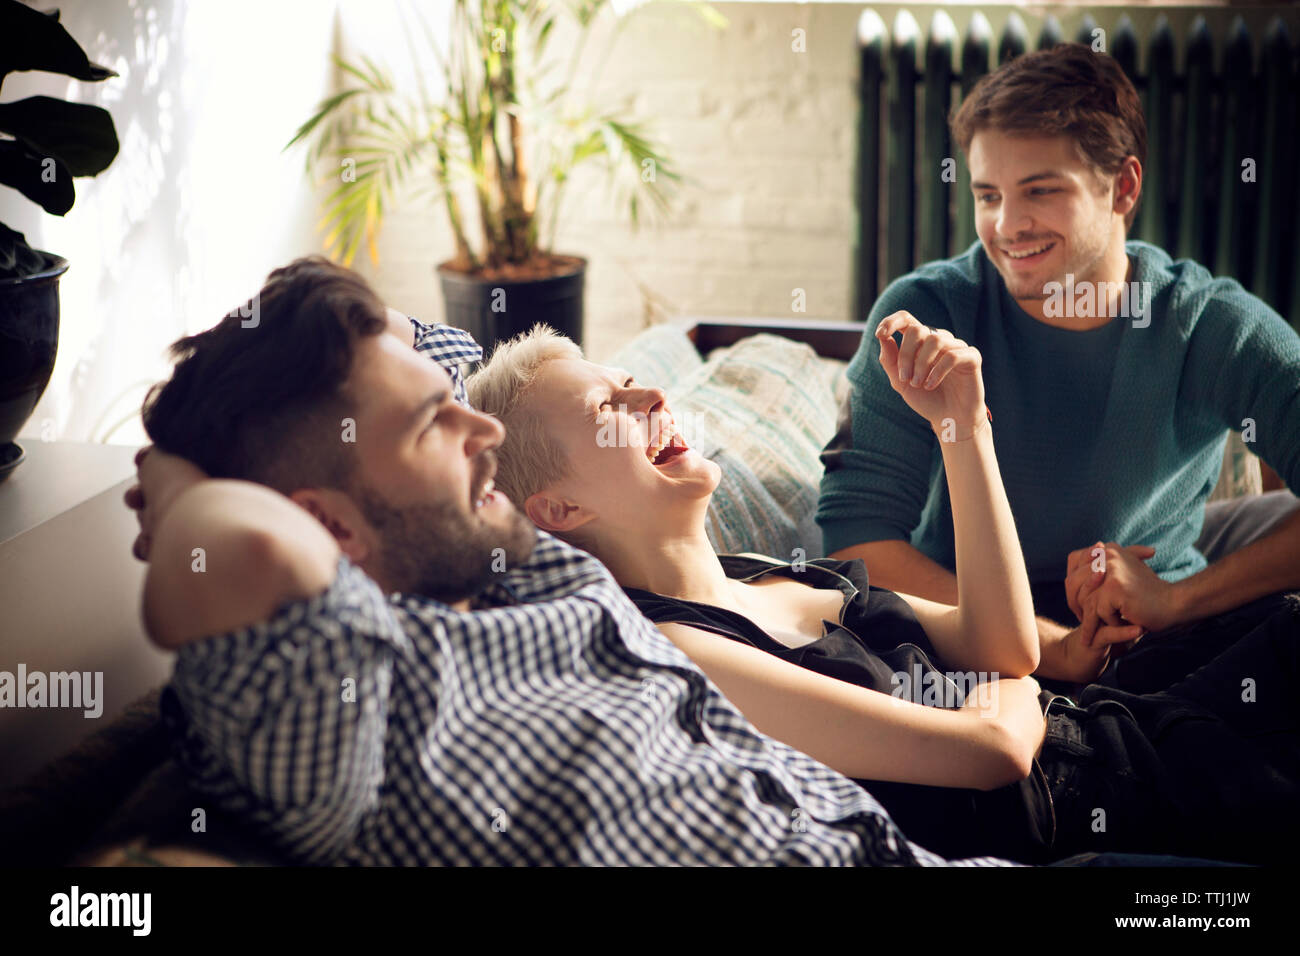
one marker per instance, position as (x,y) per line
(766,135)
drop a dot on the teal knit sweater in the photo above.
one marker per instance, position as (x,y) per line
(1116,433)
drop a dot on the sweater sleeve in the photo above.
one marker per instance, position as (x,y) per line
(1243,368)
(877,467)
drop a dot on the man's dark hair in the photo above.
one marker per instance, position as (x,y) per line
(1064,90)
(260,395)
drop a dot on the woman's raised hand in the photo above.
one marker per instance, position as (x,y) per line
(936,373)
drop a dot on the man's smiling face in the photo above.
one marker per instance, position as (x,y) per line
(1042,212)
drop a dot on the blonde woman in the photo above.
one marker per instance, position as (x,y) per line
(819,659)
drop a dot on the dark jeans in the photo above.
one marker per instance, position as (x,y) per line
(1208,768)
(1161,756)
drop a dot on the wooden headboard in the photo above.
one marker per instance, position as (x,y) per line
(835,340)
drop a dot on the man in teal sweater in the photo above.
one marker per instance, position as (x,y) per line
(1113,375)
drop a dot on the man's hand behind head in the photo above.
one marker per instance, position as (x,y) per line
(160,479)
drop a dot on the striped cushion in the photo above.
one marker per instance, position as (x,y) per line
(659,355)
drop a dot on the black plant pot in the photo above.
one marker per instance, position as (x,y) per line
(29,341)
(493,310)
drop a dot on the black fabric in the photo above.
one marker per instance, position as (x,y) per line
(1163,658)
(1210,766)
(1173,762)
(877,638)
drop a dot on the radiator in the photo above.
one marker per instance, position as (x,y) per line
(1220,113)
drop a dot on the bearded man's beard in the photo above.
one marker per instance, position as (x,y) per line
(443,551)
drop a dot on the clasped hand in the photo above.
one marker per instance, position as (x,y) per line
(160,478)
(1116,597)
(1116,585)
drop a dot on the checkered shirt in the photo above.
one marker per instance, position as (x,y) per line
(552,724)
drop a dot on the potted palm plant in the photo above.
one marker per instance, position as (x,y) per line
(495,136)
(44,143)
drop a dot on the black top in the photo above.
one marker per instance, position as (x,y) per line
(879,644)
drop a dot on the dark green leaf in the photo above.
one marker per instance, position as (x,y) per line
(28,173)
(80,135)
(30,40)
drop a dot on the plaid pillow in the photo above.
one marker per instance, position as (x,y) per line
(659,355)
(763,409)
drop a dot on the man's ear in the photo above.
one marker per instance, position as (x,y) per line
(554,514)
(1128,185)
(341,518)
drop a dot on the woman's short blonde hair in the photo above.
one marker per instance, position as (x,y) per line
(528,460)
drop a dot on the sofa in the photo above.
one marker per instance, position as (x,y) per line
(759,397)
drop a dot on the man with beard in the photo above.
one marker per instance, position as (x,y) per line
(1113,374)
(379,661)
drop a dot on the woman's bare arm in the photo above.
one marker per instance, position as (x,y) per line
(862,733)
(992,626)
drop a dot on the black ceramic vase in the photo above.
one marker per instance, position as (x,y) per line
(29,341)
(495,310)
